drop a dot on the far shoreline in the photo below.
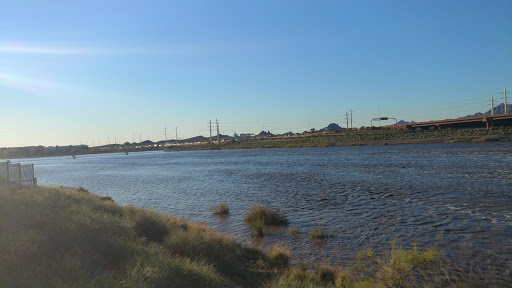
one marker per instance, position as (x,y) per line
(348,138)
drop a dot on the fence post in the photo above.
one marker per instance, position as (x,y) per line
(19,175)
(34,180)
(7,171)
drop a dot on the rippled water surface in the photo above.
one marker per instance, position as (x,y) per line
(453,196)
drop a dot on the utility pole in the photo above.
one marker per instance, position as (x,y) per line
(350,118)
(505,102)
(210,124)
(492,105)
(346,114)
(176,134)
(218,134)
(165,132)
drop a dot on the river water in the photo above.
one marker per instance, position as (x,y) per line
(456,197)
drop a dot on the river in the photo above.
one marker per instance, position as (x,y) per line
(452,196)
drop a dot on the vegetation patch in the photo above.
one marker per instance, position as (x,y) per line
(267,216)
(258,229)
(221,209)
(295,231)
(401,268)
(318,233)
(279,257)
(62,237)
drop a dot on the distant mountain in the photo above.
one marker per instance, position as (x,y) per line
(265,134)
(330,127)
(404,122)
(500,109)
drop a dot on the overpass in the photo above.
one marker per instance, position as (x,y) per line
(484,121)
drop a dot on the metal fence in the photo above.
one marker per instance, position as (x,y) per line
(16,173)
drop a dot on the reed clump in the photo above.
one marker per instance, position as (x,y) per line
(267,216)
(295,231)
(258,229)
(222,209)
(401,268)
(318,233)
(279,257)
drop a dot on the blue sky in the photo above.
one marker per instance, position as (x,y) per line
(84,72)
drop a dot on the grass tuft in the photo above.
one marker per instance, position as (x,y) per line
(318,233)
(82,190)
(279,257)
(221,209)
(295,231)
(267,216)
(258,229)
(326,274)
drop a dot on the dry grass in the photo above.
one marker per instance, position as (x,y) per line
(267,216)
(60,237)
(399,270)
(221,209)
(295,231)
(279,257)
(318,233)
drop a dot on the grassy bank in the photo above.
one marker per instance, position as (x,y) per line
(361,137)
(60,237)
(63,237)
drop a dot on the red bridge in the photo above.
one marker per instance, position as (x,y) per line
(487,121)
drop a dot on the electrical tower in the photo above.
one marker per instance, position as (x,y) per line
(210,124)
(218,134)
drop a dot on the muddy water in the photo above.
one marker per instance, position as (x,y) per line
(456,197)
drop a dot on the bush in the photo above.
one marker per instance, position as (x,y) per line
(279,257)
(266,216)
(149,224)
(221,209)
(326,275)
(318,233)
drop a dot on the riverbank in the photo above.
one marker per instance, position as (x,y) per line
(63,237)
(353,137)
(359,138)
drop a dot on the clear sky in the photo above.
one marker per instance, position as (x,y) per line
(84,72)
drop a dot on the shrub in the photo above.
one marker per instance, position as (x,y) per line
(318,233)
(326,274)
(149,224)
(221,209)
(279,257)
(82,190)
(266,216)
(106,198)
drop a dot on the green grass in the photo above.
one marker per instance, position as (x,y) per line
(267,216)
(222,209)
(61,237)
